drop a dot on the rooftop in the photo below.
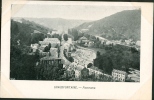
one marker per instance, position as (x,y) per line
(95,68)
(83,38)
(119,71)
(51,39)
(36,31)
(50,58)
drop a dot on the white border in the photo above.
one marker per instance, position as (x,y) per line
(104,90)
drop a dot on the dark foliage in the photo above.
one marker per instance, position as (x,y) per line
(65,37)
(118,57)
(22,65)
(89,65)
(25,32)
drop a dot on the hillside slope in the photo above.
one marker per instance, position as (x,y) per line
(27,32)
(122,25)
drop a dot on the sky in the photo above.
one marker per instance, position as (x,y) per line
(81,12)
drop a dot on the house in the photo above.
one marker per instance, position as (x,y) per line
(134,75)
(41,48)
(138,43)
(53,52)
(44,53)
(78,72)
(54,32)
(36,31)
(69,40)
(108,43)
(54,42)
(96,71)
(84,30)
(119,75)
(34,47)
(88,43)
(128,42)
(82,39)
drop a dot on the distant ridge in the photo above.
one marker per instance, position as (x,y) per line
(59,24)
(122,25)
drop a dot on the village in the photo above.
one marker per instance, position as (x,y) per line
(76,60)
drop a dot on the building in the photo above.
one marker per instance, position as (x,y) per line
(96,71)
(119,75)
(88,43)
(41,48)
(82,39)
(84,30)
(78,72)
(48,65)
(69,40)
(34,47)
(108,43)
(128,42)
(53,52)
(54,32)
(44,53)
(36,31)
(138,43)
(54,42)
(134,75)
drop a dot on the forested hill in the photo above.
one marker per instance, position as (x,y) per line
(122,25)
(27,32)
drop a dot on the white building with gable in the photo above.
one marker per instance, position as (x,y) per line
(119,75)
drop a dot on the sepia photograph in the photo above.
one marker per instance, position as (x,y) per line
(76,50)
(55,43)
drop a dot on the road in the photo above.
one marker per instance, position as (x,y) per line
(62,54)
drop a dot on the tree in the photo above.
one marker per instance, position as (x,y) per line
(89,65)
(65,37)
(98,54)
(49,46)
(46,49)
(87,36)
(49,53)
(60,39)
(58,50)
(74,33)
(106,63)
(37,52)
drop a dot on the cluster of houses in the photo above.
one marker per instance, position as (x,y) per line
(120,75)
(78,71)
(42,44)
(89,43)
(85,42)
(78,68)
(79,64)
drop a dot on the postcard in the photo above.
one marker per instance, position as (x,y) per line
(76,50)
